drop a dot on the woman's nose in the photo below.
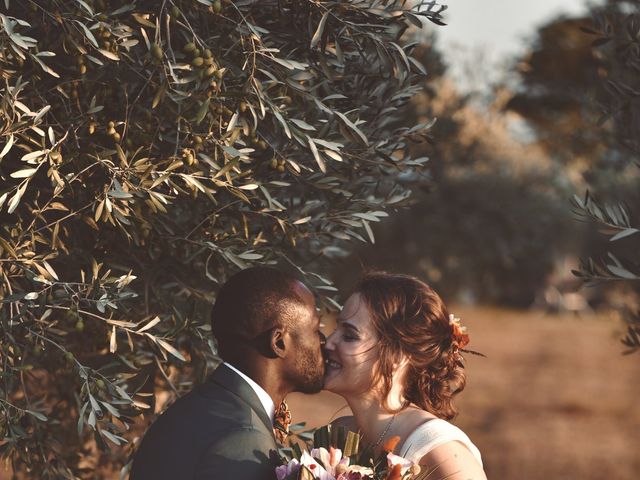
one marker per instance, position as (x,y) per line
(328,343)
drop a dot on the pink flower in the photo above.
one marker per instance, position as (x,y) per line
(314,467)
(331,459)
(356,472)
(405,464)
(283,471)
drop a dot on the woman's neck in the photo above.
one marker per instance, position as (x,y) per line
(372,419)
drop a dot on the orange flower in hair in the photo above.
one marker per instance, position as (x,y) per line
(391,444)
(458,332)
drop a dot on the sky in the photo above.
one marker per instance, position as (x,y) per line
(483,33)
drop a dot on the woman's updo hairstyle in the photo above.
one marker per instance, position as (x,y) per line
(412,321)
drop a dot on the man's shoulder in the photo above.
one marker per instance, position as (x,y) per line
(208,420)
(209,403)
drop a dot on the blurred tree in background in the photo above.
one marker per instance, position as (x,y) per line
(615,32)
(555,76)
(150,149)
(579,91)
(491,222)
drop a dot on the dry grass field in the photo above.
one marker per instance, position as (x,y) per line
(554,399)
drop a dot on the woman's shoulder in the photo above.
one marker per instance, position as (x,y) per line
(413,418)
(432,429)
(435,427)
(433,432)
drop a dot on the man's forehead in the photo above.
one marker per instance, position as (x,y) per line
(304,292)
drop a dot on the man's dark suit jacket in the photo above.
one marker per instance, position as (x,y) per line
(218,430)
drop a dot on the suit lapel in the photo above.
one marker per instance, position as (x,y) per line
(230,380)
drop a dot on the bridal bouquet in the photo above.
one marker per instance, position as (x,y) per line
(329,463)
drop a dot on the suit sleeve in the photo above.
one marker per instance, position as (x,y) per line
(243,454)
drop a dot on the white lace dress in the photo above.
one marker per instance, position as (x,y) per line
(432,434)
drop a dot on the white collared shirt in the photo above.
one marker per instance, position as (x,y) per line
(263,396)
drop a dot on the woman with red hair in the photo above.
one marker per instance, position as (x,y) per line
(395,357)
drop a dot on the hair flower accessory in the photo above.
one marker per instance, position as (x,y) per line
(458,332)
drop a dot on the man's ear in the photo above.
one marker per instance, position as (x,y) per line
(278,342)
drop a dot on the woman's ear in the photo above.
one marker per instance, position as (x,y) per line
(278,342)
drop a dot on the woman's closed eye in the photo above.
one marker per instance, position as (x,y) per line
(348,333)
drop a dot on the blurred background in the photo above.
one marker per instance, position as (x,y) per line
(517,90)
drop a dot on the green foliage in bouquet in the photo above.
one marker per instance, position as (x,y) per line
(335,453)
(616,33)
(147,150)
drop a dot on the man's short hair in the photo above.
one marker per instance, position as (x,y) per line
(250,303)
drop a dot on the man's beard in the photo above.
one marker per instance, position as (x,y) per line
(311,374)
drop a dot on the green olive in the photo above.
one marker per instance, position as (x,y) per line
(156,51)
(197,62)
(79,326)
(189,47)
(217,6)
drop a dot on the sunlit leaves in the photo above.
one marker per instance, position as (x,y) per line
(149,152)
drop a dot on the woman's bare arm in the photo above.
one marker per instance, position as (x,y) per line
(451,461)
